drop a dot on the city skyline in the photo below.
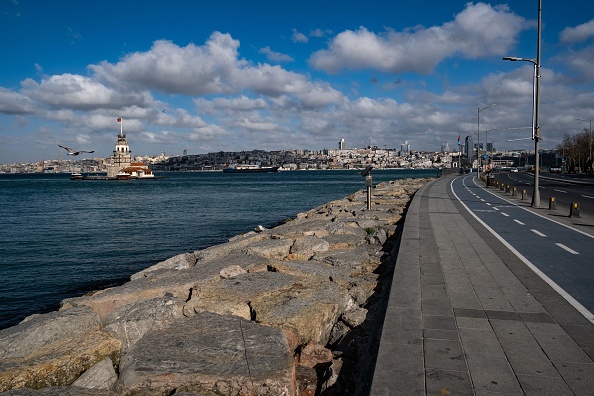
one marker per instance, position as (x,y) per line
(263,75)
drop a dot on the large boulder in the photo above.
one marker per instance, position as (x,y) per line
(305,305)
(53,349)
(209,354)
(154,285)
(130,322)
(181,261)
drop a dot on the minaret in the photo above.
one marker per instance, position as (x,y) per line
(122,156)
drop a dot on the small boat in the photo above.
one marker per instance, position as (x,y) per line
(124,176)
(76,176)
(250,169)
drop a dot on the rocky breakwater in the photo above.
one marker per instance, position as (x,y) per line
(291,310)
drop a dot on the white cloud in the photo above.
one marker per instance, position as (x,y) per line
(577,34)
(78,92)
(320,33)
(14,103)
(242,103)
(274,56)
(299,37)
(581,61)
(190,70)
(479,30)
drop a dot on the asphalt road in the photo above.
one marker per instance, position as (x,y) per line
(559,252)
(565,189)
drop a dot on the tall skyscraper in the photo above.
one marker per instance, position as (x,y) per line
(341,144)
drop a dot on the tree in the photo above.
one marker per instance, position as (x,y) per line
(575,149)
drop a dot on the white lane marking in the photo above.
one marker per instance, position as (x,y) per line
(583,310)
(561,191)
(489,203)
(562,246)
(496,208)
(505,214)
(538,232)
(587,196)
(519,222)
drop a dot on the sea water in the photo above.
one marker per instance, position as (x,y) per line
(62,238)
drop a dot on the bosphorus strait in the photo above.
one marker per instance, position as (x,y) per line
(62,238)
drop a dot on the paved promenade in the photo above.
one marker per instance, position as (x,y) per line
(467,317)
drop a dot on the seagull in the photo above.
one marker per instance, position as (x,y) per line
(72,152)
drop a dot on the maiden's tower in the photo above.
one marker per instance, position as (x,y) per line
(122,156)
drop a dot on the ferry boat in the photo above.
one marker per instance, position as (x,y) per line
(249,169)
(76,176)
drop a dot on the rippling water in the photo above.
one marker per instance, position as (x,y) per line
(61,238)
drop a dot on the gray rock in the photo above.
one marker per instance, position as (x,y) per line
(129,323)
(354,317)
(53,349)
(305,247)
(179,262)
(178,283)
(101,376)
(338,332)
(57,391)
(210,353)
(232,271)
(346,258)
(270,248)
(378,237)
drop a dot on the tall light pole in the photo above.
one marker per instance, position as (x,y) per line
(478,139)
(590,138)
(535,108)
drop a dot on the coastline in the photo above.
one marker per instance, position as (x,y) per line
(309,285)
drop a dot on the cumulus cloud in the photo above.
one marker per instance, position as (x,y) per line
(14,103)
(274,56)
(78,92)
(479,30)
(192,70)
(577,34)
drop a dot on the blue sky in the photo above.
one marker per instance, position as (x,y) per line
(236,75)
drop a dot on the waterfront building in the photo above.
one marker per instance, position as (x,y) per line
(122,156)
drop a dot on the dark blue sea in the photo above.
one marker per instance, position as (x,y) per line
(61,238)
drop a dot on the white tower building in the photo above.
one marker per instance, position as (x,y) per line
(122,156)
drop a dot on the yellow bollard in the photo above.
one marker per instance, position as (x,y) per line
(574,211)
(552,203)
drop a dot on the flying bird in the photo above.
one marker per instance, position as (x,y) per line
(72,152)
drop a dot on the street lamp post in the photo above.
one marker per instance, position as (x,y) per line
(590,138)
(478,139)
(535,108)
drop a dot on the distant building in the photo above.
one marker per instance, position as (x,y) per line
(341,144)
(405,149)
(469,147)
(185,152)
(445,148)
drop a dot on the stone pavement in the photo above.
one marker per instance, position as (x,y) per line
(466,317)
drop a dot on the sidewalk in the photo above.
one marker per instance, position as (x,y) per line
(467,317)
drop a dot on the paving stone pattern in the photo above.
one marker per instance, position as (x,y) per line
(466,317)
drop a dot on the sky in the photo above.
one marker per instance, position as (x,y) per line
(209,76)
